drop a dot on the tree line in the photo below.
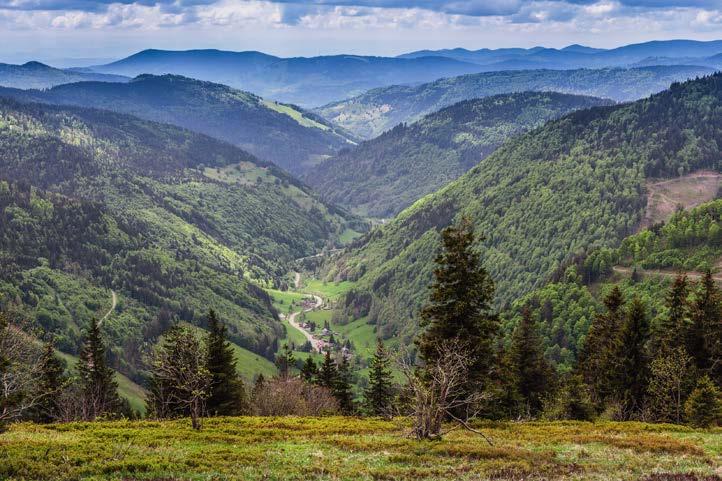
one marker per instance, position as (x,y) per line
(460,368)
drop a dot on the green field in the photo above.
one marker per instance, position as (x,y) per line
(352,449)
(328,290)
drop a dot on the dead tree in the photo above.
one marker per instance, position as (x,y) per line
(437,391)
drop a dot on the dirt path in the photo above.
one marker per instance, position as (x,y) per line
(664,273)
(297,280)
(112,308)
(316,344)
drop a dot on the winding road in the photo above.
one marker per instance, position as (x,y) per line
(662,273)
(112,308)
(316,344)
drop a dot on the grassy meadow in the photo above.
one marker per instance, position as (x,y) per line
(338,448)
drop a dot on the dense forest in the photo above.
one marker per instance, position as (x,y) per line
(383,176)
(168,219)
(283,134)
(643,265)
(572,186)
(378,110)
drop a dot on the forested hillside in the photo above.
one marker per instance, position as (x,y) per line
(643,265)
(284,134)
(385,175)
(575,185)
(35,75)
(378,110)
(175,222)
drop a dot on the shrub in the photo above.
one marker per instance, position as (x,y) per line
(703,407)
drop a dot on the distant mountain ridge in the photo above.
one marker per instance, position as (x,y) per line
(290,137)
(378,110)
(304,81)
(36,75)
(579,56)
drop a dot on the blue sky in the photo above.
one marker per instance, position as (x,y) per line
(76,29)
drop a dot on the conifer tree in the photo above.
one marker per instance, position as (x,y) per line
(285,361)
(460,305)
(704,405)
(703,339)
(672,331)
(327,372)
(309,370)
(98,386)
(531,372)
(633,359)
(51,382)
(227,395)
(599,363)
(379,394)
(342,387)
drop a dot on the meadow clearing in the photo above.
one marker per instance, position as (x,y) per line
(345,448)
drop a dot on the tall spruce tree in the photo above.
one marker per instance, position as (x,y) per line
(599,363)
(51,382)
(531,372)
(227,393)
(633,359)
(98,385)
(460,305)
(703,337)
(379,394)
(327,372)
(673,330)
(342,387)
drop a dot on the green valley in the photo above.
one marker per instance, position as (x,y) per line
(383,176)
(572,186)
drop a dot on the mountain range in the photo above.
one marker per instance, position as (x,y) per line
(289,136)
(304,81)
(680,52)
(378,110)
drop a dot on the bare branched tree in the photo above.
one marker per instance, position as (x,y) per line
(179,367)
(437,391)
(20,368)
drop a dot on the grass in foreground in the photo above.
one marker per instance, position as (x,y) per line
(352,449)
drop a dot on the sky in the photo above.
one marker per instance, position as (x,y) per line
(78,32)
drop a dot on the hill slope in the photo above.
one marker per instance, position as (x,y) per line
(644,264)
(304,81)
(174,222)
(575,184)
(35,75)
(385,175)
(372,113)
(283,134)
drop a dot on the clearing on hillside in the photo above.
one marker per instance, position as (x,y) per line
(688,191)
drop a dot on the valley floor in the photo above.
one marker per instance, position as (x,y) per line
(340,448)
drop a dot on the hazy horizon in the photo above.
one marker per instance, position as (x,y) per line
(83,32)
